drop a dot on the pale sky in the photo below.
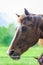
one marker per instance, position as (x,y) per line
(11,7)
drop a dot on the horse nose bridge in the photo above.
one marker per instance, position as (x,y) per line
(9,49)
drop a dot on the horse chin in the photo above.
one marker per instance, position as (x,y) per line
(15,57)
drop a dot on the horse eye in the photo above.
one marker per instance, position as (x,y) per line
(24,29)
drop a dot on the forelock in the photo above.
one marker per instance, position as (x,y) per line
(21,18)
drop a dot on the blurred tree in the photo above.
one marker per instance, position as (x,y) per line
(7,39)
(6,34)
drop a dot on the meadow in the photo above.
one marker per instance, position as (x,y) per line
(27,58)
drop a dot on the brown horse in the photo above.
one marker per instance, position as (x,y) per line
(27,34)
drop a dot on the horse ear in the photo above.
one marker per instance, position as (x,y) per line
(26,11)
(18,15)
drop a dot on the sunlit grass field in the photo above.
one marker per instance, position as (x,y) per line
(26,59)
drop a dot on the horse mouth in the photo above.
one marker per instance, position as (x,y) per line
(15,57)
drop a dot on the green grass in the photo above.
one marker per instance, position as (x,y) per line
(26,59)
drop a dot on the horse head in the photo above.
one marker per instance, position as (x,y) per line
(27,35)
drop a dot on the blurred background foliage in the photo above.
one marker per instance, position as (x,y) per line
(6,34)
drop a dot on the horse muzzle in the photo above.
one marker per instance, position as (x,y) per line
(14,55)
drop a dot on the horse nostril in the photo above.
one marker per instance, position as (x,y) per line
(11,52)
